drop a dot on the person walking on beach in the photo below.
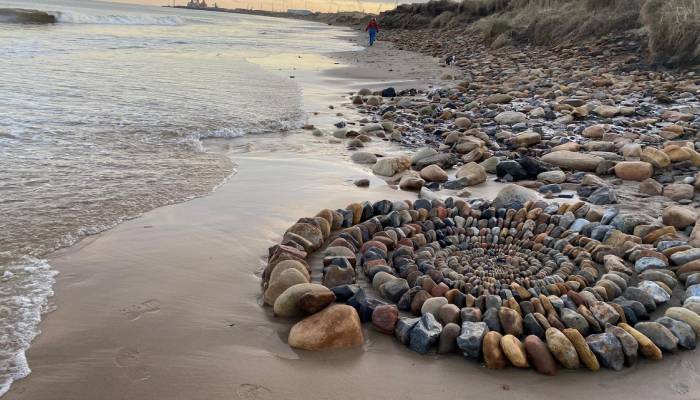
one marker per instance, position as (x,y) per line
(373,29)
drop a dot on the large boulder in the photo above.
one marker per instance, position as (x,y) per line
(513,196)
(573,160)
(334,327)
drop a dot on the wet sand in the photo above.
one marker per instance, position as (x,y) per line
(167,306)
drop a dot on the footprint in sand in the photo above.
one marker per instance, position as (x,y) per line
(130,359)
(249,391)
(137,310)
(687,376)
(127,357)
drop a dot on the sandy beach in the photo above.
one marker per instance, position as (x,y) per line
(168,305)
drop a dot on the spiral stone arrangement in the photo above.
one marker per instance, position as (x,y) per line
(510,282)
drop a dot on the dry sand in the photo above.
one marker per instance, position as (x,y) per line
(167,306)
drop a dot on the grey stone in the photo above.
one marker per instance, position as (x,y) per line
(425,334)
(607,349)
(471,338)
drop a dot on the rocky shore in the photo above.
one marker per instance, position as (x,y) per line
(607,275)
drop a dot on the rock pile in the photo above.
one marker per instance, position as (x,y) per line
(567,111)
(515,281)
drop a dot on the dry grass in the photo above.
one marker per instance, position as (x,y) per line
(673,26)
(674,30)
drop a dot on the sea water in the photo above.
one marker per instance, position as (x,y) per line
(102,117)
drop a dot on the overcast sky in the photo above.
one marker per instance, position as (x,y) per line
(316,5)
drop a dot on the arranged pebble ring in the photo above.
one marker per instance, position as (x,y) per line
(533,284)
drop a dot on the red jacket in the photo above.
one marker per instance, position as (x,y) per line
(372,25)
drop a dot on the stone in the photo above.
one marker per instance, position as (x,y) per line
(646,347)
(447,343)
(334,327)
(604,313)
(552,177)
(514,351)
(470,339)
(574,320)
(494,358)
(282,281)
(633,170)
(528,138)
(425,334)
(384,318)
(655,157)
(312,302)
(363,157)
(603,195)
(607,111)
(411,183)
(685,257)
(473,172)
(511,321)
(462,123)
(682,331)
(655,291)
(432,305)
(403,329)
(659,334)
(629,344)
(647,263)
(562,349)
(287,303)
(573,160)
(607,349)
(584,352)
(679,191)
(390,166)
(448,313)
(510,118)
(685,315)
(651,187)
(539,355)
(637,294)
(422,153)
(337,276)
(679,217)
(433,173)
(513,196)
(498,98)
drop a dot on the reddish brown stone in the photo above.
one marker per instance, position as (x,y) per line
(384,318)
(539,356)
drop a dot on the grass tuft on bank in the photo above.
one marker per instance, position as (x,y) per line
(671,27)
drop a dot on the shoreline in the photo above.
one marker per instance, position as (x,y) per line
(54,323)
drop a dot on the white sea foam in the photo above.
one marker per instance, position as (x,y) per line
(25,288)
(78,18)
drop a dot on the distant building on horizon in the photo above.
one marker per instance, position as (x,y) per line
(298,12)
(197,4)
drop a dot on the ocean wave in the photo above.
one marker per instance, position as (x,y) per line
(26,287)
(78,18)
(26,16)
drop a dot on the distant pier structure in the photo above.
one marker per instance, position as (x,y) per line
(303,13)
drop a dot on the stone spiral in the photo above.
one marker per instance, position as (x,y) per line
(527,284)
